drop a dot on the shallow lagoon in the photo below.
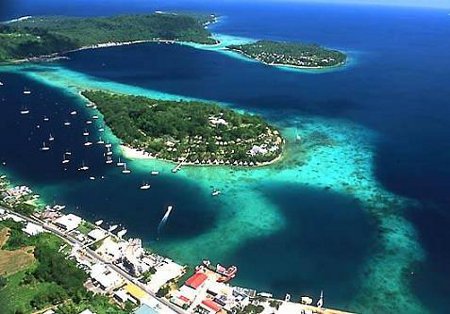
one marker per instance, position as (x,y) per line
(370,111)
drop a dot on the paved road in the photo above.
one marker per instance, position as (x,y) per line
(74,242)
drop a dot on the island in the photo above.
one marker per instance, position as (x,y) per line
(33,37)
(297,55)
(190,132)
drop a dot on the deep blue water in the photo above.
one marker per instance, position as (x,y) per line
(398,87)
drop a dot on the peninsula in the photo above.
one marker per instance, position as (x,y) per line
(291,54)
(191,132)
(49,36)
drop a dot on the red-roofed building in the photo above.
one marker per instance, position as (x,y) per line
(210,304)
(196,280)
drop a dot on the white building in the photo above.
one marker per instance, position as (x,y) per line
(68,222)
(97,234)
(32,229)
(107,279)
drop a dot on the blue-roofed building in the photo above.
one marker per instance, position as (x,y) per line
(145,309)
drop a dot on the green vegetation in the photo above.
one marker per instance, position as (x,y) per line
(51,280)
(191,131)
(39,36)
(252,309)
(291,54)
(147,276)
(85,227)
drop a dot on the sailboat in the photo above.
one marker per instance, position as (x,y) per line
(83,167)
(26,92)
(108,152)
(100,141)
(86,132)
(120,163)
(65,160)
(1,83)
(320,302)
(145,186)
(46,119)
(44,147)
(73,113)
(51,138)
(297,136)
(154,173)
(215,192)
(95,117)
(67,123)
(87,143)
(125,170)
(88,122)
(24,111)
(108,145)
(108,160)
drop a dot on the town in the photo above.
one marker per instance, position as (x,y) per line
(133,278)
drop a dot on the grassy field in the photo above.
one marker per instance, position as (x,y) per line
(14,261)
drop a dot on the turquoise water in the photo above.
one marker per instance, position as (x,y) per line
(342,211)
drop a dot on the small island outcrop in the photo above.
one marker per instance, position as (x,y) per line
(191,132)
(291,54)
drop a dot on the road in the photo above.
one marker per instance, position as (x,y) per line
(74,242)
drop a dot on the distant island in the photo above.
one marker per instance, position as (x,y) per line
(190,132)
(34,37)
(291,54)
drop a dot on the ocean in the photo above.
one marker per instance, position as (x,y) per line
(359,209)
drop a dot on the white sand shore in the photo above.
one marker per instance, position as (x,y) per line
(132,153)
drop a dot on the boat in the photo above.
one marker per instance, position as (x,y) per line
(120,163)
(51,138)
(297,136)
(125,170)
(215,192)
(26,92)
(73,113)
(101,129)
(109,152)
(87,143)
(154,173)
(112,228)
(95,117)
(68,153)
(1,83)
(46,119)
(88,122)
(86,132)
(67,123)
(44,147)
(83,167)
(24,111)
(65,160)
(98,222)
(100,141)
(145,186)
(108,145)
(89,105)
(109,160)
(121,233)
(92,178)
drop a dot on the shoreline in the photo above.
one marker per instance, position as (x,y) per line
(62,55)
(136,154)
(286,65)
